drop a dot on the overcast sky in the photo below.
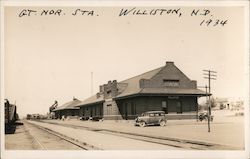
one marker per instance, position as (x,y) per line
(50,58)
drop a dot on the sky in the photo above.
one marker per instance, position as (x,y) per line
(48,58)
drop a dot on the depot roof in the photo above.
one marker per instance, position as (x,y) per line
(91,100)
(69,105)
(131,87)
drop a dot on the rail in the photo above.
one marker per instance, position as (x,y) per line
(82,145)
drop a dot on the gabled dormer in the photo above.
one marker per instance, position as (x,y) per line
(168,77)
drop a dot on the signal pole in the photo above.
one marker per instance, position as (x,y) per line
(210,75)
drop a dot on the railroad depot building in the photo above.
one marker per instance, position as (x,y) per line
(67,109)
(165,88)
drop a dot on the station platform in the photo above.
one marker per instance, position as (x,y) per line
(225,130)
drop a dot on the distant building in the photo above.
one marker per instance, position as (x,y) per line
(67,109)
(236,104)
(221,103)
(228,103)
(165,88)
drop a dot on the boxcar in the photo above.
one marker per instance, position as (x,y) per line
(11,117)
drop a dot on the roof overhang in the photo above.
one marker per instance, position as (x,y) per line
(76,108)
(87,104)
(165,91)
(160,94)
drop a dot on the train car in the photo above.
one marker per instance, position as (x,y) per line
(11,117)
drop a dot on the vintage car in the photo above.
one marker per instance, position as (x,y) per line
(151,118)
(204,116)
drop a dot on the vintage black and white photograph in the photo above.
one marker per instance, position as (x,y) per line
(130,78)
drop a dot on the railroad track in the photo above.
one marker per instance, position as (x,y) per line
(179,143)
(36,144)
(80,145)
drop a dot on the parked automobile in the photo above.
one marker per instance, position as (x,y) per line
(95,118)
(204,116)
(151,118)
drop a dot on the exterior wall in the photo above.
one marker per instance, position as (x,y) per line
(110,110)
(192,115)
(67,112)
(94,110)
(132,107)
(128,108)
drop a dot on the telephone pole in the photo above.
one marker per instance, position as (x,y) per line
(210,75)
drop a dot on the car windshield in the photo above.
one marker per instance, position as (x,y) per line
(142,114)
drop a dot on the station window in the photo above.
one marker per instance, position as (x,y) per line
(164,104)
(109,91)
(171,83)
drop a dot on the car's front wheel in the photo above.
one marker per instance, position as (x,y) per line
(142,124)
(162,123)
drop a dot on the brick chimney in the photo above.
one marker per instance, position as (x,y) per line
(101,88)
(98,95)
(169,62)
(110,90)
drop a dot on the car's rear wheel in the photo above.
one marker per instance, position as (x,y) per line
(162,123)
(142,124)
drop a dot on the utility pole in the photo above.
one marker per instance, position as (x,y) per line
(208,109)
(206,96)
(210,75)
